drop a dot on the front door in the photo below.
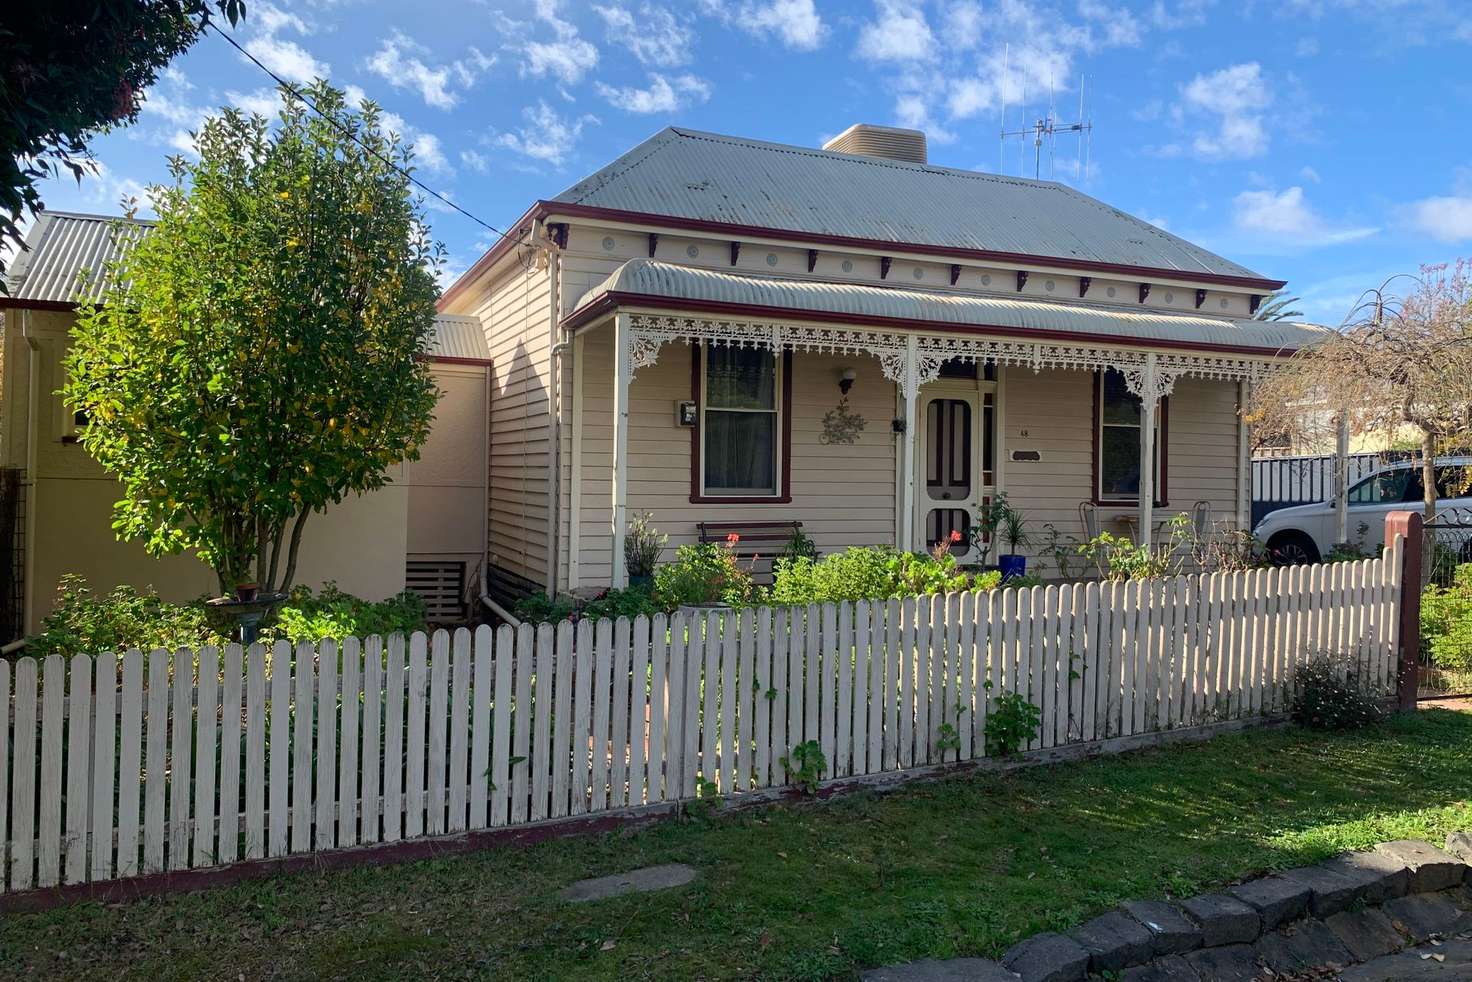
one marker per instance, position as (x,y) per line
(956,463)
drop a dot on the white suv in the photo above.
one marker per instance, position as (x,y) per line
(1305,533)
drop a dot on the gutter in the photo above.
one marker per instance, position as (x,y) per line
(497,609)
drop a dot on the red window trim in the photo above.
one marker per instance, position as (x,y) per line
(1162,498)
(785,475)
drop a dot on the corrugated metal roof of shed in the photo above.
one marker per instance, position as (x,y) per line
(709,177)
(458,336)
(60,247)
(648,277)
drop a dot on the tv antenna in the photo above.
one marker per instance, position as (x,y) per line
(1044,131)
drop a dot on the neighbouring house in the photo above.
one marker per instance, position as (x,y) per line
(747,335)
(425,529)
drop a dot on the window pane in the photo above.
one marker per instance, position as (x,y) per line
(1119,405)
(1386,487)
(1119,465)
(740,452)
(740,378)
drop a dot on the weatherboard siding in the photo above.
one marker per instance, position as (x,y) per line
(843,495)
(515,316)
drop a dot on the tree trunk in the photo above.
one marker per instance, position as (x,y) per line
(296,542)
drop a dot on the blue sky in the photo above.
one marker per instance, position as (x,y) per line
(1319,141)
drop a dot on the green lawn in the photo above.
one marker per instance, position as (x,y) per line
(959,866)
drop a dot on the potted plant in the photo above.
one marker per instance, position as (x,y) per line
(1014,531)
(642,546)
(704,577)
(983,535)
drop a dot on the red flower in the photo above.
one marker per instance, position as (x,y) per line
(732,539)
(955,536)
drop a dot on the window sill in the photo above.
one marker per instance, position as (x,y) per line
(709,499)
(1125,505)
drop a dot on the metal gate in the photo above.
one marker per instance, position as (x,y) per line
(1445,663)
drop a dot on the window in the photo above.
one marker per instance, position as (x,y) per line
(1117,442)
(744,426)
(1388,487)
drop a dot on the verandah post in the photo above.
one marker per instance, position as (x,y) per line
(621,372)
(1148,402)
(910,441)
(1410,525)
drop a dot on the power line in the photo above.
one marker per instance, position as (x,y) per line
(299,94)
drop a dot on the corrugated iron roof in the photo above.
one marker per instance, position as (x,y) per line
(709,177)
(651,278)
(67,254)
(458,336)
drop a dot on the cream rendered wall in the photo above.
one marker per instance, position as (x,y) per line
(447,484)
(359,543)
(843,495)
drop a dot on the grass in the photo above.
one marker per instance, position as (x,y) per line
(960,866)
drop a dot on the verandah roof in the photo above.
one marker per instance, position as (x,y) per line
(654,283)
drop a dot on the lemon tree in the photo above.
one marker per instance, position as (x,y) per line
(256,357)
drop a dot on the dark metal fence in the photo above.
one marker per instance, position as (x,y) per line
(1446,659)
(1281,482)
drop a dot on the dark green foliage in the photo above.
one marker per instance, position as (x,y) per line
(871,573)
(629,602)
(70,70)
(710,573)
(805,765)
(85,623)
(1446,621)
(1328,694)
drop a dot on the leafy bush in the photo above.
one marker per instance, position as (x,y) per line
(84,623)
(1012,722)
(541,609)
(629,602)
(335,614)
(871,573)
(805,766)
(704,574)
(1022,581)
(1446,620)
(1328,694)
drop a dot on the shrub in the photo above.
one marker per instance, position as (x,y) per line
(1446,620)
(84,623)
(335,614)
(1012,722)
(704,574)
(629,602)
(871,573)
(1328,694)
(541,609)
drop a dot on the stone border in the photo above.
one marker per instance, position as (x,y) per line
(1345,910)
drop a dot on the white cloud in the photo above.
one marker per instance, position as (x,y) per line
(1286,215)
(261,102)
(1160,223)
(1309,174)
(1306,47)
(429,153)
(475,161)
(663,94)
(286,58)
(547,136)
(393,63)
(655,36)
(1447,218)
(796,23)
(567,58)
(963,24)
(900,32)
(1237,96)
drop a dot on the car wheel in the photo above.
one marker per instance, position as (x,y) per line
(1292,549)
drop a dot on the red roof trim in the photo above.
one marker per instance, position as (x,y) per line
(459,360)
(14,304)
(612,300)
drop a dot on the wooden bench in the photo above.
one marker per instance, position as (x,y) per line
(762,541)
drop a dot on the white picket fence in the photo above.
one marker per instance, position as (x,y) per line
(114,767)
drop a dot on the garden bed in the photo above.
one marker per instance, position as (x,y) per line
(965,865)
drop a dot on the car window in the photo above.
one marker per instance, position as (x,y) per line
(1386,487)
